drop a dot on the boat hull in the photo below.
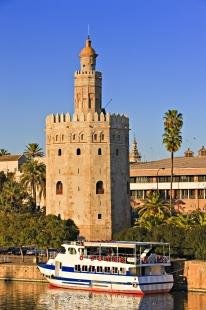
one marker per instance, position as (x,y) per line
(111,283)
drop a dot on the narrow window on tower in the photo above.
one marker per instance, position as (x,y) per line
(59,188)
(99,151)
(99,216)
(99,187)
(78,151)
(59,152)
(95,137)
(117,152)
(82,137)
(102,137)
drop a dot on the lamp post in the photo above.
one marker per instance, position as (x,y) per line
(162,168)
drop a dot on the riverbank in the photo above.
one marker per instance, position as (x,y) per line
(188,275)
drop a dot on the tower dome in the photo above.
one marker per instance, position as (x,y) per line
(88,50)
(88,56)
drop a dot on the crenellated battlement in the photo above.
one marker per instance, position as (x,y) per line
(116,120)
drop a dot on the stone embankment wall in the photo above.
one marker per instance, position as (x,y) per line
(189,275)
(21,272)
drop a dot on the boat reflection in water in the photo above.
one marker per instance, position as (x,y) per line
(57,298)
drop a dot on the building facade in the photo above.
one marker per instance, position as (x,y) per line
(12,164)
(189,180)
(87,159)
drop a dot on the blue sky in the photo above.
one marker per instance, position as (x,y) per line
(152,54)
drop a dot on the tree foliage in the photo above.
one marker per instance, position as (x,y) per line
(17,229)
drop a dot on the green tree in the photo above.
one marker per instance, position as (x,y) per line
(172,139)
(154,206)
(4,152)
(13,197)
(33,150)
(181,220)
(34,178)
(2,179)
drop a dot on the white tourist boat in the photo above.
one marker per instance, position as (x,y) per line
(120,266)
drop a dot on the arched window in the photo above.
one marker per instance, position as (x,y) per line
(99,151)
(59,152)
(56,137)
(78,151)
(102,137)
(73,137)
(59,188)
(82,137)
(62,137)
(95,137)
(99,187)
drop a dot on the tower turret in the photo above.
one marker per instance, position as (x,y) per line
(87,82)
(134,153)
(88,57)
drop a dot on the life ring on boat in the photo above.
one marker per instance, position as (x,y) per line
(122,259)
(81,257)
(134,284)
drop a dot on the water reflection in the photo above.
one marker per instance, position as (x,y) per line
(29,296)
(67,299)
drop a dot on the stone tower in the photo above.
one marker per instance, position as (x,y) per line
(88,159)
(134,155)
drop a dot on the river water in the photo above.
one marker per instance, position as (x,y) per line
(40,296)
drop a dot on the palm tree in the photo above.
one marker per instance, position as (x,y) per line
(182,220)
(172,138)
(34,178)
(4,152)
(154,206)
(33,150)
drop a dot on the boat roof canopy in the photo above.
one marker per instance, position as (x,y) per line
(112,244)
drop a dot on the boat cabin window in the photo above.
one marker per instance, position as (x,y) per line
(92,268)
(72,251)
(122,270)
(84,268)
(107,269)
(114,270)
(99,269)
(77,268)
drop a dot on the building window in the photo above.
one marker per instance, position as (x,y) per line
(95,137)
(132,179)
(99,216)
(82,137)
(184,194)
(59,188)
(102,137)
(201,178)
(191,193)
(62,137)
(99,151)
(73,137)
(99,187)
(59,152)
(117,152)
(78,151)
(56,138)
(201,194)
